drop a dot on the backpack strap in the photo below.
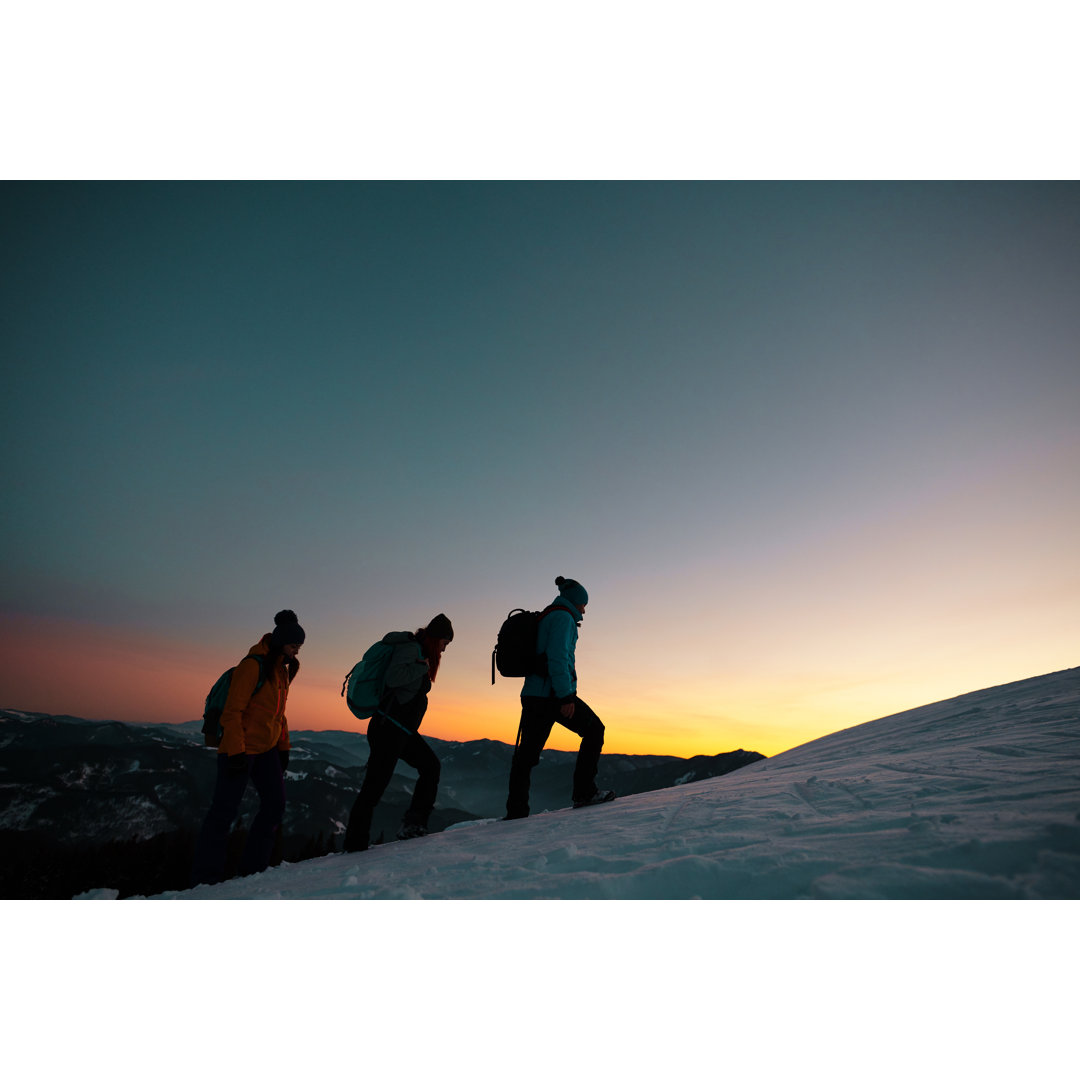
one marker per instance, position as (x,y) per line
(262,672)
(558,607)
(547,611)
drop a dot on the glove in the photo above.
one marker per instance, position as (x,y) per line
(238,764)
(284,756)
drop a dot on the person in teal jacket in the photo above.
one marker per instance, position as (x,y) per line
(549,697)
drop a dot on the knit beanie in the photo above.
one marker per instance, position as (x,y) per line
(440,627)
(572,590)
(287,629)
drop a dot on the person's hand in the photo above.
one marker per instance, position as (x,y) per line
(238,764)
(283,756)
(567,711)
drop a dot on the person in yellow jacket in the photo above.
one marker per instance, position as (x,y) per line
(254,745)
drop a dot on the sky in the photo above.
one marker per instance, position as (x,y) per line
(812,448)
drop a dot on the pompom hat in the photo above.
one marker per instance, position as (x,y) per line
(287,629)
(572,590)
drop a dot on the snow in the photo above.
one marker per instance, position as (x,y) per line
(18,807)
(81,778)
(98,894)
(977,797)
(974,798)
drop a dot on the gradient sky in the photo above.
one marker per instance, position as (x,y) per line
(813,448)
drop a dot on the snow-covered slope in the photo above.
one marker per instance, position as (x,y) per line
(976,797)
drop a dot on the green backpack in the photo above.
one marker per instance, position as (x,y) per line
(215,703)
(363,686)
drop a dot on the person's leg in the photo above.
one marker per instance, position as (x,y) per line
(536,720)
(588,725)
(418,754)
(209,863)
(384,745)
(269,782)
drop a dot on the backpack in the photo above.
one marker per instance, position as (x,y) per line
(515,652)
(365,682)
(215,703)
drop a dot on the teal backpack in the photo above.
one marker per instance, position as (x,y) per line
(215,703)
(363,686)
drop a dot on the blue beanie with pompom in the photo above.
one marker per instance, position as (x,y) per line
(572,590)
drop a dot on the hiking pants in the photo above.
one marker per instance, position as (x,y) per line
(264,770)
(388,744)
(538,715)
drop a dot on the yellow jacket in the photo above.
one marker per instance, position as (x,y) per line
(255,722)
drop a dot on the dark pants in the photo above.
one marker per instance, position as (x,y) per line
(388,744)
(264,770)
(538,715)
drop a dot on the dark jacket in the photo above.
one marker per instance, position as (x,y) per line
(407,683)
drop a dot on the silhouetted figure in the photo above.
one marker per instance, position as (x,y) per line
(393,733)
(254,745)
(551,698)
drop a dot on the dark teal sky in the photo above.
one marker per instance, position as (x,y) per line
(375,401)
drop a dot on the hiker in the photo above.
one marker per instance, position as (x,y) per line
(551,698)
(254,745)
(393,732)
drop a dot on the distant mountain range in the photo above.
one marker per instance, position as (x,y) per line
(87,804)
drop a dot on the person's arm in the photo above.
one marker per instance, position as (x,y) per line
(406,671)
(242,685)
(560,658)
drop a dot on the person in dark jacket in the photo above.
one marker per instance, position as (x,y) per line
(550,697)
(393,733)
(254,746)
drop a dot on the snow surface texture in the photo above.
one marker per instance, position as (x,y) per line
(973,798)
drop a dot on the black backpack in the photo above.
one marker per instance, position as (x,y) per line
(515,652)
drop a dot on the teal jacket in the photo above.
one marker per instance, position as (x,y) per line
(556,638)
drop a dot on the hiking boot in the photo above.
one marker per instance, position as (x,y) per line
(411,832)
(596,797)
